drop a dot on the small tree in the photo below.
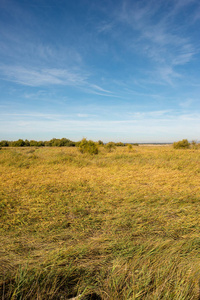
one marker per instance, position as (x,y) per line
(4,143)
(27,143)
(18,143)
(33,143)
(184,144)
(100,143)
(88,147)
(40,144)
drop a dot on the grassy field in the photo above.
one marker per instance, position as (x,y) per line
(118,225)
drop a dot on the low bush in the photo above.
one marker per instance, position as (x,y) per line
(110,146)
(194,145)
(120,144)
(130,147)
(88,147)
(184,144)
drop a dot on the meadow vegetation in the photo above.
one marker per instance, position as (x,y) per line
(123,224)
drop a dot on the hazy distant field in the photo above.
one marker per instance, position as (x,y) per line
(119,225)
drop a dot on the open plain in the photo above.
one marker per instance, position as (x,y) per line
(118,225)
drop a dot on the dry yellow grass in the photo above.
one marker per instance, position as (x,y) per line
(119,225)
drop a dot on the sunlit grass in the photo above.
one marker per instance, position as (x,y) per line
(120,225)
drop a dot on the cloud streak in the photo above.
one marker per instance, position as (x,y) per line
(51,77)
(157,35)
(42,77)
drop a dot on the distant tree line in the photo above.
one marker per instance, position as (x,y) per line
(64,142)
(32,143)
(90,146)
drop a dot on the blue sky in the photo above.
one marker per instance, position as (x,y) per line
(112,70)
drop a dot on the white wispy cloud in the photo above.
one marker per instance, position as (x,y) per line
(152,114)
(156,34)
(35,115)
(105,27)
(41,77)
(179,5)
(82,115)
(168,74)
(187,103)
(98,88)
(36,77)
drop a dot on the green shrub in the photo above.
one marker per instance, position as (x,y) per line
(130,147)
(119,144)
(194,145)
(110,146)
(88,147)
(184,144)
